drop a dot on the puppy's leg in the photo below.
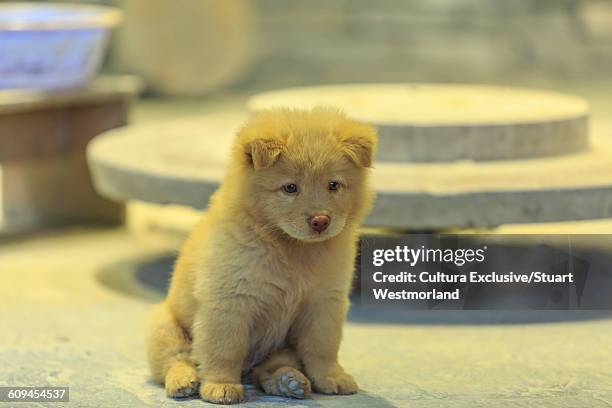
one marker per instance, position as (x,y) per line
(318,332)
(220,345)
(168,350)
(280,375)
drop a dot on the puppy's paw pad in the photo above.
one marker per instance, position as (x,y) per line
(288,382)
(343,384)
(221,393)
(181,382)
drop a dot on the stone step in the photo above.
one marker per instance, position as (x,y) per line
(440,123)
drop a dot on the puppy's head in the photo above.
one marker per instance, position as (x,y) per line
(304,172)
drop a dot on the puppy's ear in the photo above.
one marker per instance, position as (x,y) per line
(259,142)
(263,151)
(358,141)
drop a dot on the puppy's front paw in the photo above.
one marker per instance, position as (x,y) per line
(221,393)
(341,383)
(181,381)
(287,382)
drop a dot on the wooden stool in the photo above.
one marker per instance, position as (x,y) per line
(45,179)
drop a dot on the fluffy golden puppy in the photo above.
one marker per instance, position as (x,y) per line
(262,283)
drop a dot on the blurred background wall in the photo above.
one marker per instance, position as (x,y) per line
(424,40)
(195,46)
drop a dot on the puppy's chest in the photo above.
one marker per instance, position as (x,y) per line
(280,300)
(280,284)
(273,315)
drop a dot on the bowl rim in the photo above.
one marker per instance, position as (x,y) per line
(99,17)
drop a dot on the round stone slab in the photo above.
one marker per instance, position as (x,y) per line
(438,123)
(183,162)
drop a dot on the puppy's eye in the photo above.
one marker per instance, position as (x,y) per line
(333,185)
(290,188)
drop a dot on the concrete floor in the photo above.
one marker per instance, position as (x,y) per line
(64,325)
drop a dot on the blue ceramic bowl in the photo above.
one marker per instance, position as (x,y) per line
(52,46)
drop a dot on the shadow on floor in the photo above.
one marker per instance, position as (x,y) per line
(254,397)
(361,314)
(360,400)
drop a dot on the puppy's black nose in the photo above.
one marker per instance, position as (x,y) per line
(319,223)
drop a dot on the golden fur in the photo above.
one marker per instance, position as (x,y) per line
(255,288)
